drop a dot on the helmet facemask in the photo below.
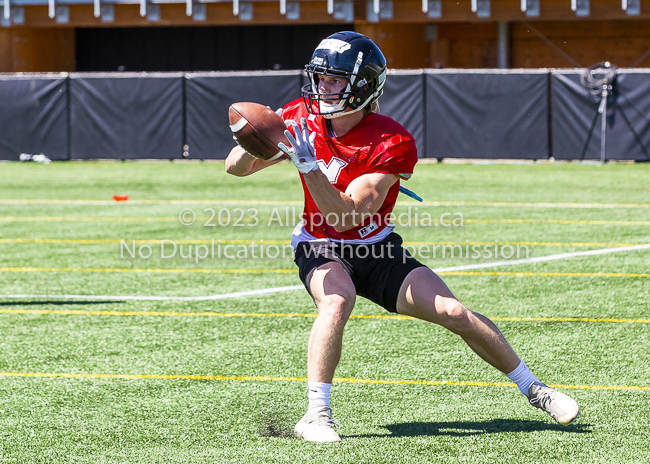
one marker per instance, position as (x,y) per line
(321,100)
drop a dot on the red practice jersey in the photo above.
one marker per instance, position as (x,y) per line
(377,144)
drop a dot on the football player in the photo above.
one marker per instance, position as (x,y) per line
(351,161)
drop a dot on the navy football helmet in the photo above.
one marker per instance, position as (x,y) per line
(351,56)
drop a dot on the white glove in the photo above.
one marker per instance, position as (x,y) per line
(302,151)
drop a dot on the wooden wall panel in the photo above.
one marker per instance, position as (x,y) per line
(474,45)
(621,52)
(473,53)
(127,15)
(471,31)
(315,12)
(43,49)
(562,29)
(439,54)
(464,40)
(6,55)
(463,45)
(620,42)
(404,45)
(469,45)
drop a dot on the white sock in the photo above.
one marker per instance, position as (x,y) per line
(319,395)
(522,377)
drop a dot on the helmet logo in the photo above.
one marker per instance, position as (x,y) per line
(334,45)
(318,60)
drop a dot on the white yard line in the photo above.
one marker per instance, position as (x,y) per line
(544,258)
(508,204)
(297,287)
(163,298)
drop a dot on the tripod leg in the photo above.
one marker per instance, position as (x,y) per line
(603,128)
(591,131)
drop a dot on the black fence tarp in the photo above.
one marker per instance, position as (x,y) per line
(208,97)
(403,100)
(574,114)
(483,114)
(33,116)
(487,114)
(126,116)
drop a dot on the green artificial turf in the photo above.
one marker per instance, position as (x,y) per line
(251,364)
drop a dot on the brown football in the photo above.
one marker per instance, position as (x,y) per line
(258,129)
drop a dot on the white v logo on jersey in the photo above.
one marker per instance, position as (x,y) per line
(332,169)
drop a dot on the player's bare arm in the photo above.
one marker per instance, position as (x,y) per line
(239,163)
(346,210)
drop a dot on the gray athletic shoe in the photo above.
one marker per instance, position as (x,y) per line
(559,406)
(318,426)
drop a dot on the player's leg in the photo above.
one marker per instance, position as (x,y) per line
(424,295)
(334,295)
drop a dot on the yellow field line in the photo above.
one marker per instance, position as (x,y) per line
(299,202)
(305,315)
(292,271)
(286,242)
(304,379)
(570,319)
(171,271)
(199,219)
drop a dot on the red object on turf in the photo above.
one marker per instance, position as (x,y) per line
(120,197)
(257,129)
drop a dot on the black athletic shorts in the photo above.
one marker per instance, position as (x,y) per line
(377,270)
